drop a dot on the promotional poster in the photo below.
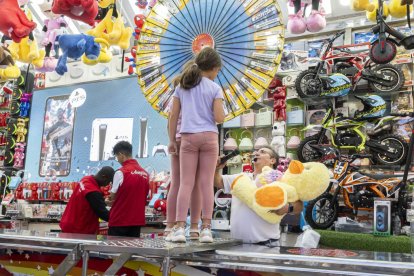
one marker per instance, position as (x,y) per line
(57,137)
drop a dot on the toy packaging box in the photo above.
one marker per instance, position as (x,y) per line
(294,60)
(382,218)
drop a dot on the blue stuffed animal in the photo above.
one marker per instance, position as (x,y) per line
(74,46)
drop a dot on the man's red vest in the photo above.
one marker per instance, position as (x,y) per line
(79,216)
(128,208)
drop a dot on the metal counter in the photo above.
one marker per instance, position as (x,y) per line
(221,254)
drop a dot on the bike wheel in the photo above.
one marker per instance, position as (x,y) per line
(319,213)
(302,84)
(391,71)
(398,144)
(390,51)
(305,152)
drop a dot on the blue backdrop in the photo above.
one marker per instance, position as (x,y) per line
(121,98)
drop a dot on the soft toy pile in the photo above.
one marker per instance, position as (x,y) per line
(270,192)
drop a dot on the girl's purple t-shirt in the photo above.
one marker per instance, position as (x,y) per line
(197,106)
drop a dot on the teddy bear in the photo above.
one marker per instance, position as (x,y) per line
(21,130)
(25,104)
(247,163)
(19,155)
(300,182)
(27,52)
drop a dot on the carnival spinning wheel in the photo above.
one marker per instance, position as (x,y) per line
(248,35)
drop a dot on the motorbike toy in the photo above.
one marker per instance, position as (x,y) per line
(344,70)
(348,134)
(384,49)
(358,190)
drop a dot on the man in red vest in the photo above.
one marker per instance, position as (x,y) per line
(129,194)
(86,205)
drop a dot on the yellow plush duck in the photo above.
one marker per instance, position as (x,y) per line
(27,51)
(300,182)
(361,5)
(397,10)
(371,12)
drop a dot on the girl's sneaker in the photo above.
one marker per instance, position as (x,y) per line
(178,234)
(194,234)
(167,234)
(206,236)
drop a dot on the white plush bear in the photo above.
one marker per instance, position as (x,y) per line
(279,128)
(279,144)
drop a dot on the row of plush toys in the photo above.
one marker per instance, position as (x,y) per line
(395,8)
(92,47)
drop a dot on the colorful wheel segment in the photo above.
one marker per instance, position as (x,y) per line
(248,35)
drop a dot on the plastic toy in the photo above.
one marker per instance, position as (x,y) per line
(131,61)
(139,20)
(74,46)
(14,22)
(19,155)
(279,106)
(142,4)
(82,10)
(19,192)
(34,195)
(300,182)
(247,163)
(25,104)
(21,130)
(161,205)
(55,191)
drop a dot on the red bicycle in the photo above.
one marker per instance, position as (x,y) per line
(341,69)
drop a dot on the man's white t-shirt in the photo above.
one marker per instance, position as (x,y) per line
(245,224)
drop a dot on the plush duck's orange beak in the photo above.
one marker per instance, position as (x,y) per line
(296,167)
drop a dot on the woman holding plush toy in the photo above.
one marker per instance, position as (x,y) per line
(200,100)
(246,224)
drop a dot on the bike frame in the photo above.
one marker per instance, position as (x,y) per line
(342,175)
(360,61)
(329,123)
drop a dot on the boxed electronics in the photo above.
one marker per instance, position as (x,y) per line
(382,217)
